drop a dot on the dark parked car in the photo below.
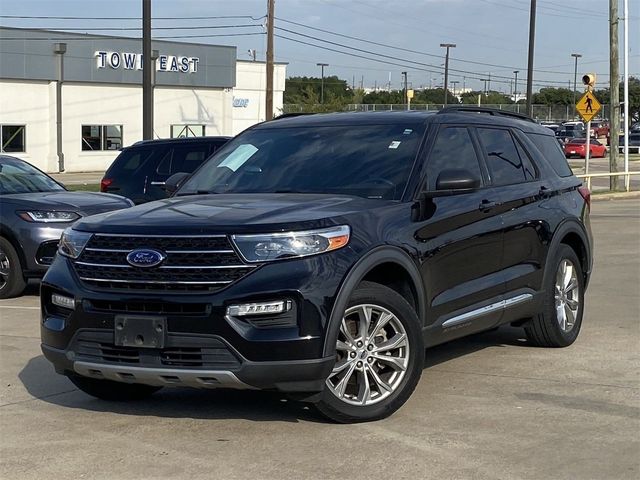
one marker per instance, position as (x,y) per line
(34,210)
(319,255)
(565,135)
(140,171)
(634,143)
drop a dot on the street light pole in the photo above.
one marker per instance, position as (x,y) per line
(532,37)
(446,67)
(147,68)
(515,86)
(404,74)
(575,76)
(322,65)
(454,83)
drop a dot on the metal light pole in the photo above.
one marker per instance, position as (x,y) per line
(454,83)
(59,49)
(322,65)
(575,76)
(446,67)
(404,74)
(515,86)
(147,68)
(532,40)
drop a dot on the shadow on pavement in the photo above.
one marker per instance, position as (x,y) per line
(43,383)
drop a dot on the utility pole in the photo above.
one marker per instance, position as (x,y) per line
(147,68)
(269,97)
(626,92)
(454,83)
(322,65)
(532,37)
(614,88)
(575,76)
(489,84)
(485,85)
(404,90)
(446,67)
(515,86)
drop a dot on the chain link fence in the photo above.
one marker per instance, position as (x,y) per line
(549,113)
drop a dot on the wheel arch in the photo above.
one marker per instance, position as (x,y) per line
(13,240)
(572,234)
(372,268)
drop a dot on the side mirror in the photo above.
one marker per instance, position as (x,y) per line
(174,181)
(456,180)
(449,182)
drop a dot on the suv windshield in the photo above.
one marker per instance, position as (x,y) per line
(372,161)
(20,177)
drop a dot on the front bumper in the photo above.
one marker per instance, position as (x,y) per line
(292,376)
(203,346)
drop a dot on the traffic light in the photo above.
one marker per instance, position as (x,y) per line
(589,79)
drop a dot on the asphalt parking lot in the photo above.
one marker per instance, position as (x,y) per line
(488,406)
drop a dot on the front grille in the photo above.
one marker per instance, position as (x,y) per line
(184,351)
(192,264)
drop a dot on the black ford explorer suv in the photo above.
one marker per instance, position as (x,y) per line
(319,255)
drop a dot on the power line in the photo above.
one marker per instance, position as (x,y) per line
(408,50)
(470,75)
(160,37)
(48,17)
(369,52)
(74,29)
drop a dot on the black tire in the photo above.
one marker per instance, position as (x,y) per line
(12,282)
(113,391)
(544,330)
(374,294)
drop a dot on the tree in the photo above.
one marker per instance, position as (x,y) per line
(434,95)
(299,90)
(491,98)
(553,96)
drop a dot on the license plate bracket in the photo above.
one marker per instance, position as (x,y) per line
(140,331)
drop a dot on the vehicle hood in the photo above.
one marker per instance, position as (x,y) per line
(230,213)
(83,203)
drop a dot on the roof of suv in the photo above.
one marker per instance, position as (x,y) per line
(462,114)
(160,141)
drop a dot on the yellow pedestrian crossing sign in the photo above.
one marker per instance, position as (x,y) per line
(588,106)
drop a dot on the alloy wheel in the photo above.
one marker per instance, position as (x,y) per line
(5,269)
(372,355)
(567,295)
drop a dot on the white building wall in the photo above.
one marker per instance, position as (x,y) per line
(251,85)
(32,104)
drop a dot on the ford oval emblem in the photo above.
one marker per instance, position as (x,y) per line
(146,258)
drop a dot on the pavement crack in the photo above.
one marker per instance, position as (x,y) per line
(501,375)
(38,398)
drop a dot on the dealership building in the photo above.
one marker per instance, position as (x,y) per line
(70,101)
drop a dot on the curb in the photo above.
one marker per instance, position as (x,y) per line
(615,196)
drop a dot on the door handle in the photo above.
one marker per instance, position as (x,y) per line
(487,205)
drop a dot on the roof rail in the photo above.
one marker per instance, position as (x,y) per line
(490,111)
(289,115)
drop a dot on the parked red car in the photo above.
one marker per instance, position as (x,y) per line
(576,148)
(599,128)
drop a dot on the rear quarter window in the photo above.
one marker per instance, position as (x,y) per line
(550,149)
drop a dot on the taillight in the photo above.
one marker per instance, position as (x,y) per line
(586,194)
(104,184)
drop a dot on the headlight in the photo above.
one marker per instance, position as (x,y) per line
(73,242)
(279,246)
(45,216)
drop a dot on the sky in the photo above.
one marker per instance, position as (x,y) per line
(381,38)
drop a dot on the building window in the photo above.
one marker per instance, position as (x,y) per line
(181,131)
(101,137)
(13,138)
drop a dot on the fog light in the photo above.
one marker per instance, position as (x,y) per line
(263,308)
(62,301)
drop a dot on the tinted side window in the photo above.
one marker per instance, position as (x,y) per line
(550,150)
(503,160)
(184,158)
(453,148)
(131,160)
